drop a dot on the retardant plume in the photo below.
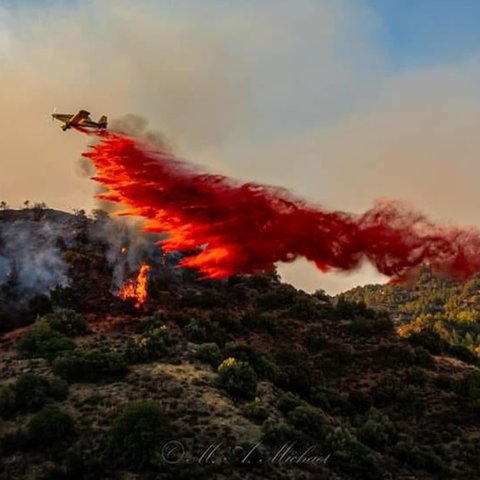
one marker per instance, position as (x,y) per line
(246,227)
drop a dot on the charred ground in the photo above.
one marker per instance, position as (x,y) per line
(92,387)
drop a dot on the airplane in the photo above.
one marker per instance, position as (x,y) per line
(80,119)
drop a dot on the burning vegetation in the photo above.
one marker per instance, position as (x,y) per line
(136,289)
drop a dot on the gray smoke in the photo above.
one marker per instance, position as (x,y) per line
(127,246)
(30,253)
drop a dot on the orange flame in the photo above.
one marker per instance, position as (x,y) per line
(137,289)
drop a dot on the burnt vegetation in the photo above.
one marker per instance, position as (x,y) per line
(93,388)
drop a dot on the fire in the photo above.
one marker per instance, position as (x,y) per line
(241,228)
(137,289)
(123,250)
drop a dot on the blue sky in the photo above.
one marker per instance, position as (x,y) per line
(429,31)
(413,32)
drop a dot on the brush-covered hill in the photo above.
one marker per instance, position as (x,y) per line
(247,378)
(447,308)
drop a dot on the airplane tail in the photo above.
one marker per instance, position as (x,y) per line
(103,121)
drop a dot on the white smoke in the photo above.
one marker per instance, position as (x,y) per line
(30,252)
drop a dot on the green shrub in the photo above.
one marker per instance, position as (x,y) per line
(377,430)
(209,353)
(356,460)
(196,332)
(44,341)
(361,325)
(280,433)
(30,392)
(48,426)
(255,411)
(308,420)
(136,435)
(304,307)
(429,340)
(408,453)
(288,402)
(88,365)
(330,400)
(149,346)
(66,321)
(262,365)
(237,378)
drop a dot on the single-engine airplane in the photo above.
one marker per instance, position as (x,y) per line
(80,119)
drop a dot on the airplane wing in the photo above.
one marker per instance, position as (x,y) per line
(81,115)
(63,117)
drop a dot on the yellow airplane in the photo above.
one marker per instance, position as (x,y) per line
(80,119)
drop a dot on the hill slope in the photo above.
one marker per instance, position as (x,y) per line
(245,378)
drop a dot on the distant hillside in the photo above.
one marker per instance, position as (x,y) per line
(452,309)
(247,378)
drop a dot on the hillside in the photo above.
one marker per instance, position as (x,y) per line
(244,378)
(448,308)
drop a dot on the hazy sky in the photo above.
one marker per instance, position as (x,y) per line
(343,101)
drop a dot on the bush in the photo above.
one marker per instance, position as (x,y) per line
(50,425)
(237,378)
(30,392)
(136,435)
(356,460)
(304,307)
(308,420)
(149,346)
(429,340)
(361,325)
(196,332)
(377,430)
(280,433)
(68,322)
(408,453)
(209,353)
(44,341)
(87,365)
(255,411)
(263,366)
(288,402)
(330,400)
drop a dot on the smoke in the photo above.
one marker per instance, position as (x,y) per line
(247,227)
(127,246)
(31,256)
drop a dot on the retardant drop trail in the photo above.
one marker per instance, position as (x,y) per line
(246,227)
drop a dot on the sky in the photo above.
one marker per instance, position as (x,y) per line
(342,101)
